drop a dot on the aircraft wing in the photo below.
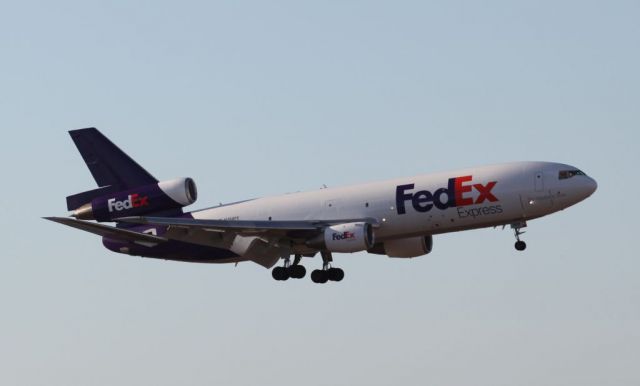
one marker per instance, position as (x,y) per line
(110,232)
(245,227)
(263,242)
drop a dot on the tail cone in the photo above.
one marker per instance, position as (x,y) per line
(85,212)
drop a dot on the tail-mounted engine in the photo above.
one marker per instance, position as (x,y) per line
(165,195)
(346,238)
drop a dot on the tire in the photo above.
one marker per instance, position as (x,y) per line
(520,245)
(319,276)
(335,274)
(280,274)
(297,271)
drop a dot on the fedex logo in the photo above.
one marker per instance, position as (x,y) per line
(343,236)
(457,193)
(133,201)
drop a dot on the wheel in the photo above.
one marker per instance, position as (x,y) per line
(275,273)
(335,274)
(319,276)
(280,273)
(297,271)
(521,245)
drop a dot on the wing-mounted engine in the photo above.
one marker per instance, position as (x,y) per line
(346,238)
(404,248)
(165,195)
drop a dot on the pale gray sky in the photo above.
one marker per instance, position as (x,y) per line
(255,98)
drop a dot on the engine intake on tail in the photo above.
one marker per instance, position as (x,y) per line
(165,195)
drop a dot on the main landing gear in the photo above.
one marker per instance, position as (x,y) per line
(293,271)
(297,271)
(520,245)
(327,272)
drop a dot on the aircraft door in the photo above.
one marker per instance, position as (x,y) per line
(539,201)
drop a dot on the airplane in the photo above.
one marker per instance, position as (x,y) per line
(397,218)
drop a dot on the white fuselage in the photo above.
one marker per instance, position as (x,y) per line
(429,204)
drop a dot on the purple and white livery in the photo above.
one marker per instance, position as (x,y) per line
(397,218)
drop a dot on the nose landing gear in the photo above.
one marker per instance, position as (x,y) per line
(327,272)
(519,245)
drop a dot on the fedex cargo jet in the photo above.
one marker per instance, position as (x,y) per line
(397,218)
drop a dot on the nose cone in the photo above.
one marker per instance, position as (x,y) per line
(592,185)
(587,187)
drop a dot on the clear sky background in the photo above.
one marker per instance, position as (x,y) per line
(254,98)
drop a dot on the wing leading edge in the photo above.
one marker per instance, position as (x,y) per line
(244,226)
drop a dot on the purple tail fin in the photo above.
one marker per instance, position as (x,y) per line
(112,168)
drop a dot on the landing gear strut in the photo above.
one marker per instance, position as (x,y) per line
(520,245)
(327,272)
(293,271)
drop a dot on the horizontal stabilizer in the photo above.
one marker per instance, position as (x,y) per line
(109,232)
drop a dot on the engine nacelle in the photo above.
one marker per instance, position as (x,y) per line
(345,238)
(165,195)
(404,248)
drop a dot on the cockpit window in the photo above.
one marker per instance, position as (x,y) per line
(565,174)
